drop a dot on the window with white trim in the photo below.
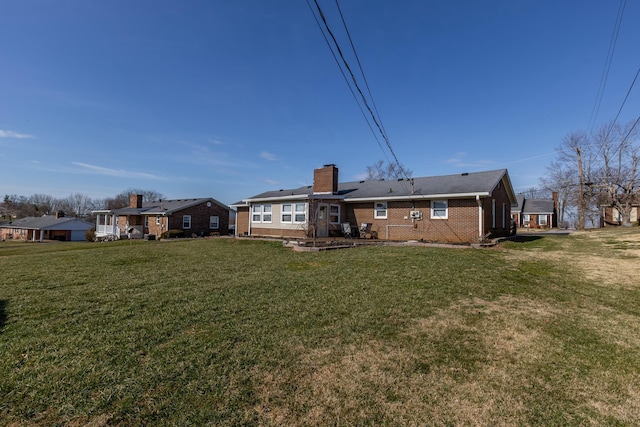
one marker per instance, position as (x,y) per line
(439,209)
(266,213)
(334,214)
(300,212)
(380,210)
(542,220)
(493,213)
(256,213)
(186,222)
(285,213)
(214,222)
(261,213)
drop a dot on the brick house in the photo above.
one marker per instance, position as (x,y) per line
(199,217)
(609,215)
(536,213)
(46,227)
(463,208)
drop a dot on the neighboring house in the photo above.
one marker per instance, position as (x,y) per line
(612,216)
(468,207)
(200,217)
(536,213)
(47,227)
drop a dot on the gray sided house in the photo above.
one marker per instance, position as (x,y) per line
(194,217)
(462,208)
(47,227)
(536,213)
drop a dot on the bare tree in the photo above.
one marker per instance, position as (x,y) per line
(44,203)
(601,168)
(561,180)
(380,170)
(121,200)
(77,204)
(616,179)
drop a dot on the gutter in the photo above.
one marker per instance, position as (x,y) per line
(479,201)
(418,197)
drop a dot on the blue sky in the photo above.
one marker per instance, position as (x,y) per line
(228,99)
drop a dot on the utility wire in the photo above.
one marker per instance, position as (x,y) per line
(364,77)
(623,102)
(375,135)
(607,66)
(355,83)
(630,130)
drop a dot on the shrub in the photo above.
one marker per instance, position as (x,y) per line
(172,234)
(90,235)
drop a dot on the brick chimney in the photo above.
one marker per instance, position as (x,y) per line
(325,179)
(554,195)
(59,214)
(135,201)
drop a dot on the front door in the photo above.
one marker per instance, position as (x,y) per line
(323,221)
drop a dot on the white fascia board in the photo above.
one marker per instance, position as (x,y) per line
(420,197)
(275,199)
(326,196)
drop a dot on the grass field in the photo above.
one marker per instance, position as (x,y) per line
(539,331)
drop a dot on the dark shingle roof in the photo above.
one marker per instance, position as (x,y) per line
(447,185)
(538,206)
(166,206)
(532,206)
(48,222)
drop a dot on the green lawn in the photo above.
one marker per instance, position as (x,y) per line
(225,332)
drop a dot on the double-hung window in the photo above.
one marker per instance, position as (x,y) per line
(493,213)
(334,214)
(380,210)
(300,212)
(542,220)
(439,209)
(261,213)
(266,213)
(186,222)
(256,213)
(214,222)
(285,213)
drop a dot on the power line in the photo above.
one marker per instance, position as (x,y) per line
(376,119)
(347,80)
(607,65)
(623,102)
(364,77)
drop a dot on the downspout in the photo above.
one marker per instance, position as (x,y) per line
(250,216)
(480,231)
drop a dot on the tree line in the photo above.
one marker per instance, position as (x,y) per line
(76,204)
